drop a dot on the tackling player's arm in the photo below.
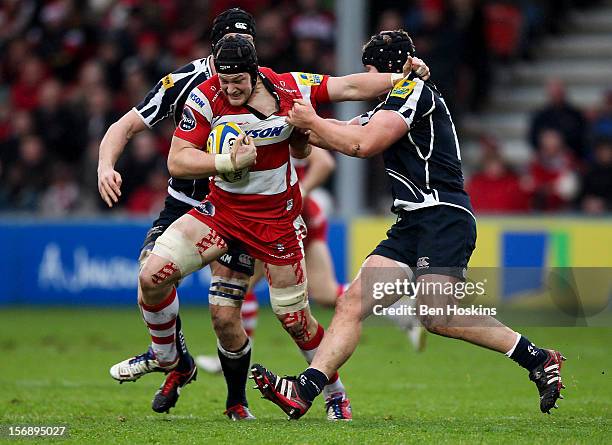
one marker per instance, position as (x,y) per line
(385,128)
(157,105)
(112,146)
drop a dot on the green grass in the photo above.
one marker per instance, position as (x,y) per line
(55,370)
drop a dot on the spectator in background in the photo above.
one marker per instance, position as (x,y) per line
(148,199)
(21,125)
(602,125)
(62,195)
(273,40)
(596,195)
(28,177)
(98,114)
(25,92)
(554,182)
(58,125)
(558,114)
(495,188)
(142,159)
(312,22)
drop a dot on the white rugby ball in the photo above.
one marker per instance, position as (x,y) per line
(221,140)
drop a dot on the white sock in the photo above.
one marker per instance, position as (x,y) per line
(161,321)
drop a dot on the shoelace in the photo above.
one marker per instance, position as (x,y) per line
(139,358)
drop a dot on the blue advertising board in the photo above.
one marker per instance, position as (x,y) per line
(95,262)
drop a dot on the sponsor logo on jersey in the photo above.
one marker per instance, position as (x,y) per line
(310,79)
(167,82)
(188,121)
(403,88)
(206,208)
(197,99)
(269,132)
(240,25)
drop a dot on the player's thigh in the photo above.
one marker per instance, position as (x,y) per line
(322,284)
(190,243)
(380,283)
(285,275)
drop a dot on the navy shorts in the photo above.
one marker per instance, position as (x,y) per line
(432,240)
(236,257)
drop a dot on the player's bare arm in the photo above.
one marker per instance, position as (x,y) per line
(384,129)
(322,165)
(299,148)
(112,146)
(361,86)
(188,161)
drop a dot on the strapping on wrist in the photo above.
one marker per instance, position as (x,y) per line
(223,163)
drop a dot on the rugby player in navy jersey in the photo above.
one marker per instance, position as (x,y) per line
(431,242)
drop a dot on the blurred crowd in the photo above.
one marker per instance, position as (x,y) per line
(69,68)
(571,166)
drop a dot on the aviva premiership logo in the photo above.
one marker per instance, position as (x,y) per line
(167,82)
(310,79)
(403,88)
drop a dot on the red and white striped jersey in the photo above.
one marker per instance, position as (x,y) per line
(271,189)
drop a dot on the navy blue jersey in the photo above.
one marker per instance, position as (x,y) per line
(425,164)
(166,100)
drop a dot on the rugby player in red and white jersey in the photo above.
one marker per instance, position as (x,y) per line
(260,214)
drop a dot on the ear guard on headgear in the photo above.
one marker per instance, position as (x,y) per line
(387,51)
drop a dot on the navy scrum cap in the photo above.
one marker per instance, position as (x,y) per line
(234,20)
(236,54)
(387,51)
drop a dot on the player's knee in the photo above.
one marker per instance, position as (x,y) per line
(226,323)
(289,299)
(349,304)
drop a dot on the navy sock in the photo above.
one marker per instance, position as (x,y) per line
(311,382)
(235,367)
(528,355)
(185,360)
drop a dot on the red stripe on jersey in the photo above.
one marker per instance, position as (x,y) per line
(271,156)
(259,207)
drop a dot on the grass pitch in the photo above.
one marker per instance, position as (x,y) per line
(55,371)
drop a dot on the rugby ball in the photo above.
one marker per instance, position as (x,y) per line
(221,140)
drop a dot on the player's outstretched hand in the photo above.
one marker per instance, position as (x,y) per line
(244,153)
(109,185)
(418,66)
(302,115)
